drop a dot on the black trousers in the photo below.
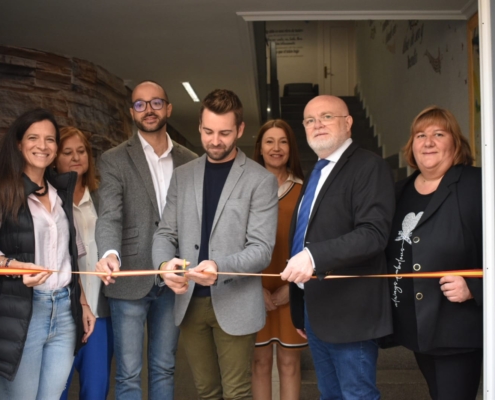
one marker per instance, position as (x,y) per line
(453,376)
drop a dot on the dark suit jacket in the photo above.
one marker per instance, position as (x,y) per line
(128,213)
(347,233)
(449,237)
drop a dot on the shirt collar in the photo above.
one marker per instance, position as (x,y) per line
(52,195)
(289,182)
(148,147)
(335,156)
(86,197)
(292,178)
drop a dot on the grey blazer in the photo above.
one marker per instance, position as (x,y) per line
(128,213)
(242,238)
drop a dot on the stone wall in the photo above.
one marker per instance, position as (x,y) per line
(77,92)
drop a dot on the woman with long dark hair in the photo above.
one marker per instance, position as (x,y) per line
(41,320)
(276,150)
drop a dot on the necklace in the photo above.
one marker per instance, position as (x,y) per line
(429,180)
(44,191)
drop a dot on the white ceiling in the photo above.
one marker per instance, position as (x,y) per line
(205,42)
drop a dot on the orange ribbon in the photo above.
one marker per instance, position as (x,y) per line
(469,273)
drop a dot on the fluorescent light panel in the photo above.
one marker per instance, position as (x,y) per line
(191,91)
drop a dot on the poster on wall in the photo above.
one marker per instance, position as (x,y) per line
(289,41)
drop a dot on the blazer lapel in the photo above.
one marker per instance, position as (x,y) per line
(136,152)
(199,177)
(177,155)
(335,171)
(443,191)
(234,175)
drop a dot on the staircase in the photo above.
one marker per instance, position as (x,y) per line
(292,112)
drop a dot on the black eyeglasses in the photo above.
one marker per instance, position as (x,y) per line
(155,104)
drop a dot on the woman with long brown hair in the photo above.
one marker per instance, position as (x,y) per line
(276,150)
(42,322)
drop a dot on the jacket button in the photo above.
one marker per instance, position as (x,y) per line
(156,223)
(419,296)
(416,239)
(196,246)
(416,267)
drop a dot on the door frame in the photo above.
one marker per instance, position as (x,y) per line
(486,15)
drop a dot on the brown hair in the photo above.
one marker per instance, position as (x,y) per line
(435,115)
(12,162)
(89,178)
(293,163)
(222,101)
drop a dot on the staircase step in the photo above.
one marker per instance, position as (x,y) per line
(303,99)
(293,108)
(294,116)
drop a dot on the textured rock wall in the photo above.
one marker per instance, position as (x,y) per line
(77,92)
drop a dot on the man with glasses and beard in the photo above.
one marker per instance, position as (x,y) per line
(135,177)
(221,216)
(341,226)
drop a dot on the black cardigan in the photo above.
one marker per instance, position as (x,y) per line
(17,241)
(448,237)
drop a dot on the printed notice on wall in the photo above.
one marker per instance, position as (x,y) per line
(290,42)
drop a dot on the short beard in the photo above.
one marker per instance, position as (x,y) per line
(161,123)
(223,155)
(326,147)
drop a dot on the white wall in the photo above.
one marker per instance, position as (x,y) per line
(397,79)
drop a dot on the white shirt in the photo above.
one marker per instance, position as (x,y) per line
(325,172)
(161,169)
(284,188)
(51,238)
(85,217)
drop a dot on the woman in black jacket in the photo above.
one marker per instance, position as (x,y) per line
(438,227)
(41,321)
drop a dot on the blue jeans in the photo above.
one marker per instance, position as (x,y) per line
(48,352)
(93,362)
(128,319)
(345,371)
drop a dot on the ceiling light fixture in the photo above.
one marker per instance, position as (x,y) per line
(191,91)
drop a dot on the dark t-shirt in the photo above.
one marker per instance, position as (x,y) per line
(213,183)
(407,215)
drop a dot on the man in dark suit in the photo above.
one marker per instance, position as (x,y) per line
(341,227)
(134,181)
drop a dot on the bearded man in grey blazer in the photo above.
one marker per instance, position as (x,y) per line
(221,215)
(134,181)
